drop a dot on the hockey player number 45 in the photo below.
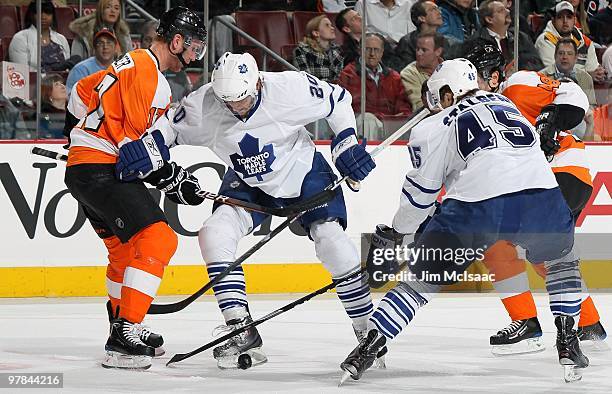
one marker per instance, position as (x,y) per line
(473,135)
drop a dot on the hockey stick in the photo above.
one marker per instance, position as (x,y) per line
(288,211)
(159,309)
(182,356)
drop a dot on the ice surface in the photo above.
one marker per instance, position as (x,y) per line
(444,350)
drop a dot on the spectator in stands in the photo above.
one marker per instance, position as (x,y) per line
(55,48)
(53,106)
(459,19)
(563,25)
(427,18)
(601,25)
(564,67)
(107,15)
(385,95)
(105,44)
(317,53)
(348,21)
(429,50)
(180,84)
(390,18)
(495,20)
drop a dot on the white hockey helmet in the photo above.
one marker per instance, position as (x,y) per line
(235,77)
(459,75)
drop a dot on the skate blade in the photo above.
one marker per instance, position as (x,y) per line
(595,346)
(124,361)
(231,362)
(159,351)
(531,345)
(380,363)
(344,378)
(572,373)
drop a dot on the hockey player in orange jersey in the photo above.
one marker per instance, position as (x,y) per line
(127,99)
(551,106)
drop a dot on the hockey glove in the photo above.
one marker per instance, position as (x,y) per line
(177,183)
(350,157)
(546,127)
(139,158)
(382,259)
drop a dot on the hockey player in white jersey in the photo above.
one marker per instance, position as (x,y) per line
(254,122)
(497,181)
(552,107)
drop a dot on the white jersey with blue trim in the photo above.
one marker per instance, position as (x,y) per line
(480,148)
(270,149)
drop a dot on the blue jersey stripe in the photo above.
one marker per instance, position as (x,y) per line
(416,204)
(423,189)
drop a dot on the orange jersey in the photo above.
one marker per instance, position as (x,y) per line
(130,96)
(531,91)
(81,94)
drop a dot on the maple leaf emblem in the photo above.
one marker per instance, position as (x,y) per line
(253,162)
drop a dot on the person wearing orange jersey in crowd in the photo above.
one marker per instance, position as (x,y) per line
(126,100)
(551,106)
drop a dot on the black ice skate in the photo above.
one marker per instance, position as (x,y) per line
(568,347)
(380,356)
(147,336)
(240,351)
(363,356)
(124,349)
(593,337)
(521,336)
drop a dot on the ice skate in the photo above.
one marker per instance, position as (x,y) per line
(380,356)
(593,337)
(240,351)
(521,336)
(363,356)
(568,347)
(124,349)
(147,336)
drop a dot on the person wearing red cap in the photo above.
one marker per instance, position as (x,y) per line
(105,44)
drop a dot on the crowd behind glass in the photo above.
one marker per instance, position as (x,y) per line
(404,42)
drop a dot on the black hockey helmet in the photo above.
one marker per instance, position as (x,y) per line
(487,58)
(183,21)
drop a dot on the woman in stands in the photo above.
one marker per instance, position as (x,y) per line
(55,48)
(317,53)
(53,106)
(107,15)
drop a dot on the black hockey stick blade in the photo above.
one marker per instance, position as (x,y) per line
(48,153)
(182,356)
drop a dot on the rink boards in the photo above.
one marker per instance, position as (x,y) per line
(49,249)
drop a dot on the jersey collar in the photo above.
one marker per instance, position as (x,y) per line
(155,60)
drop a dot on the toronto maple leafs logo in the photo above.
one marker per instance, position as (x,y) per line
(253,162)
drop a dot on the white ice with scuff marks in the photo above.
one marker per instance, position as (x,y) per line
(445,349)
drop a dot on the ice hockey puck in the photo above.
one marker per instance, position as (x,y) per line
(244,361)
